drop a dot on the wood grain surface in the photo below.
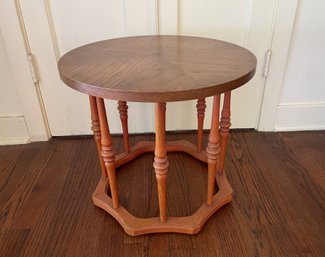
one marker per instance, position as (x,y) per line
(277,210)
(157,68)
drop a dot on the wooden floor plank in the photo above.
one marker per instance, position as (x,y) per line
(278,206)
(14,242)
(18,188)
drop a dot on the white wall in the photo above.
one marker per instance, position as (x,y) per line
(12,123)
(302,102)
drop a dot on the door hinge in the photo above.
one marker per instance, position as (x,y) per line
(32,68)
(267,62)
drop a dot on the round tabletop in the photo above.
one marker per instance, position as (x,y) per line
(157,68)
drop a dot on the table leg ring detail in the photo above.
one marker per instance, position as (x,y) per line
(160,165)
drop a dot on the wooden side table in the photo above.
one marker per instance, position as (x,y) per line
(159,69)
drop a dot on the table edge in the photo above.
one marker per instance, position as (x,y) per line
(167,96)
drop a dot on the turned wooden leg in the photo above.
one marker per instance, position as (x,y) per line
(200,107)
(160,162)
(95,127)
(213,148)
(123,110)
(224,130)
(107,151)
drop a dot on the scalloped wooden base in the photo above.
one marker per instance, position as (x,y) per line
(214,156)
(138,226)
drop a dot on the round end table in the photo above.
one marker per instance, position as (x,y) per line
(159,69)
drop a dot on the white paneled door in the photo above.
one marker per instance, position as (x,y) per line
(55,27)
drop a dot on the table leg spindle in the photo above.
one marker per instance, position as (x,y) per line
(107,151)
(123,110)
(213,149)
(95,127)
(160,162)
(200,107)
(224,129)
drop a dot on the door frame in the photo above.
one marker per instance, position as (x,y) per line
(283,23)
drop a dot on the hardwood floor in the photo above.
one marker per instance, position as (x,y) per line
(278,207)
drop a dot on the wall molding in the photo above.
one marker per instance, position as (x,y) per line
(300,116)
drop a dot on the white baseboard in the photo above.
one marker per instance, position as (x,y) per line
(300,116)
(39,138)
(13,130)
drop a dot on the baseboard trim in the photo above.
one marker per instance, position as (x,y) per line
(13,130)
(300,116)
(15,141)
